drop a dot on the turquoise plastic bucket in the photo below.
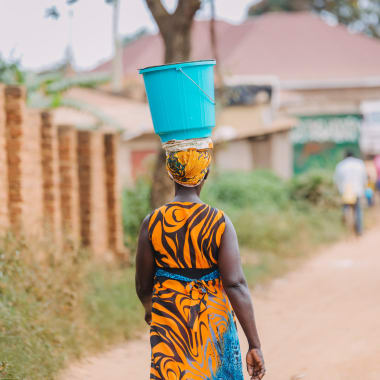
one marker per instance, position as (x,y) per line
(181,99)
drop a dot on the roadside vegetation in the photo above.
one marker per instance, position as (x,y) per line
(64,306)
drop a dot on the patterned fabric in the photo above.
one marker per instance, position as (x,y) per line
(179,145)
(188,167)
(193,332)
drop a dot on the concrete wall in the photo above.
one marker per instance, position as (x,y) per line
(327,101)
(282,154)
(234,155)
(56,182)
(136,157)
(273,152)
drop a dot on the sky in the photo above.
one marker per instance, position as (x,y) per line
(39,42)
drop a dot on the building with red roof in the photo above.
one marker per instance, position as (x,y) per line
(291,46)
(319,72)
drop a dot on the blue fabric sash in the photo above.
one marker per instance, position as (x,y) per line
(208,277)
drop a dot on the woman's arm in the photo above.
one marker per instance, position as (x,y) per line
(145,268)
(235,285)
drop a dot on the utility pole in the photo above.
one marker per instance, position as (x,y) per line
(117,63)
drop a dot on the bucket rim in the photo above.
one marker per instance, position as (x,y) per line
(176,65)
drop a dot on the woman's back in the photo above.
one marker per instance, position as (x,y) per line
(186,235)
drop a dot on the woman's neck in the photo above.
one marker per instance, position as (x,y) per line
(186,194)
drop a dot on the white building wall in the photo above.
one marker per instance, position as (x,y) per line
(282,154)
(234,155)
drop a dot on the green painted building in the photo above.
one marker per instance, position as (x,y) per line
(319,141)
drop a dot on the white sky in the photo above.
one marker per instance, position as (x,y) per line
(39,42)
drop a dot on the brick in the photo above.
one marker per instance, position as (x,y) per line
(69,183)
(113,191)
(92,191)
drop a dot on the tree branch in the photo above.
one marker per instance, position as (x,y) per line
(186,9)
(157,9)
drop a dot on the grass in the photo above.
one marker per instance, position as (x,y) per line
(59,308)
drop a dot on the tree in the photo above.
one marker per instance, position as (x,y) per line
(175,28)
(360,15)
(47,90)
(175,31)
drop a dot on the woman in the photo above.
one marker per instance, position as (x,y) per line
(188,274)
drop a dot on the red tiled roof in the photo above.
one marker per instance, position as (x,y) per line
(292,46)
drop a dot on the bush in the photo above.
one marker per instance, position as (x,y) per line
(59,308)
(269,213)
(316,187)
(136,206)
(259,189)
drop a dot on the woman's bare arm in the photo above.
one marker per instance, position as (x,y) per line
(237,290)
(145,268)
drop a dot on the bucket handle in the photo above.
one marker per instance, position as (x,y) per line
(208,96)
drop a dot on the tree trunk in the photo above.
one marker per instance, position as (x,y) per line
(175,30)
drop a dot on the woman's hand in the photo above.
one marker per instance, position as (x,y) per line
(255,364)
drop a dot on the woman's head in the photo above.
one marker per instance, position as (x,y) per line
(190,167)
(188,161)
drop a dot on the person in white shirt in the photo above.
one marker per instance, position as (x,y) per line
(351,180)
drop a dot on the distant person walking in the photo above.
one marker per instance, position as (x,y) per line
(377,166)
(351,180)
(372,179)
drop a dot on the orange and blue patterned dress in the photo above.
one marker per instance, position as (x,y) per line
(193,331)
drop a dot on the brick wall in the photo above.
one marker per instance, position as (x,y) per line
(115,233)
(4,220)
(92,191)
(69,183)
(57,182)
(50,178)
(31,170)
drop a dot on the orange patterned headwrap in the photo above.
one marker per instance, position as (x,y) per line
(188,167)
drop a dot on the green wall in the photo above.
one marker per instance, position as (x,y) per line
(319,141)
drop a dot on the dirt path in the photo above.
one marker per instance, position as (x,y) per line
(321,322)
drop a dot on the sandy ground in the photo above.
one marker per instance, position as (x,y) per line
(320,322)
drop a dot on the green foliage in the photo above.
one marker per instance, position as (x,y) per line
(270,215)
(10,72)
(136,206)
(273,215)
(361,16)
(234,190)
(113,308)
(59,308)
(316,187)
(47,90)
(38,307)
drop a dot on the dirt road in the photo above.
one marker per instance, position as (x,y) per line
(321,322)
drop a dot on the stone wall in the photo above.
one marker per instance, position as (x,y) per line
(57,182)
